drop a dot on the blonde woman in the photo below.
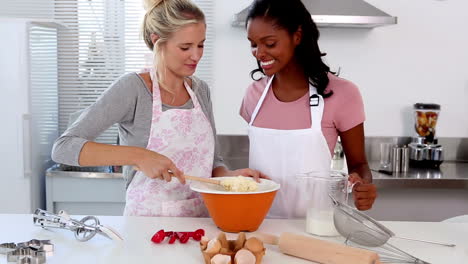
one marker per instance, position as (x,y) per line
(164,118)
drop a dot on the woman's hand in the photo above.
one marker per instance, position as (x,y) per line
(257,175)
(157,166)
(222,171)
(364,193)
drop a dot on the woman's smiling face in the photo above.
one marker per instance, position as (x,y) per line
(271,45)
(184,49)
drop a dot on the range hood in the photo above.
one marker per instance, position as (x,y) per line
(338,13)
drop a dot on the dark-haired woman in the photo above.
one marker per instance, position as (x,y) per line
(298,108)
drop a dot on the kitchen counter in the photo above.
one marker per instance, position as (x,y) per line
(421,194)
(137,247)
(55,171)
(449,171)
(450,174)
(409,196)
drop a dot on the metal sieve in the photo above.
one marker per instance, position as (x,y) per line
(364,229)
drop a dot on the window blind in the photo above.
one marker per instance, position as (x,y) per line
(43,83)
(102,42)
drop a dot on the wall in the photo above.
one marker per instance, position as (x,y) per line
(27,8)
(421,59)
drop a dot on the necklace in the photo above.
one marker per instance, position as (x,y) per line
(174,95)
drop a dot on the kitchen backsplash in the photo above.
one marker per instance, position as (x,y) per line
(235,149)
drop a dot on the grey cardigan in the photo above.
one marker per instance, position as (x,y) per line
(127,103)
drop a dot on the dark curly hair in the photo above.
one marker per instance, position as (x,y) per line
(292,15)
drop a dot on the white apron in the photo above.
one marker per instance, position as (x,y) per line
(185,136)
(282,154)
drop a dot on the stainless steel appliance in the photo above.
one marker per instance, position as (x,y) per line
(425,151)
(338,13)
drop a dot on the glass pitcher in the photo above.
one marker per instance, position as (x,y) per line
(320,208)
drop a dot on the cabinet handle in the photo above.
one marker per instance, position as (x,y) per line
(27,145)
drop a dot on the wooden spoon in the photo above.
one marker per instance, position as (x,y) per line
(193,178)
(200,179)
(226,184)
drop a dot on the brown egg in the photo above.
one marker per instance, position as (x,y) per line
(225,251)
(244,256)
(223,240)
(204,242)
(221,259)
(213,246)
(239,243)
(254,244)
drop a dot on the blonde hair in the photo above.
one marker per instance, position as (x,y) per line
(164,17)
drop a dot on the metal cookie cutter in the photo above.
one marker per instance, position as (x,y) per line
(84,230)
(7,247)
(30,252)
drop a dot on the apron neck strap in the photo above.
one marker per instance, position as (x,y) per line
(260,102)
(316,103)
(157,94)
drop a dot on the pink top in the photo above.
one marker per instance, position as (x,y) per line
(343,110)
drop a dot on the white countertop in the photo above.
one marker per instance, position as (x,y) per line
(137,247)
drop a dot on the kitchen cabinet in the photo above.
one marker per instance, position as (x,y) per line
(422,194)
(90,193)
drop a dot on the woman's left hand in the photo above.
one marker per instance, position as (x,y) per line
(257,175)
(364,194)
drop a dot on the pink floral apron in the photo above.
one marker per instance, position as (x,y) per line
(185,136)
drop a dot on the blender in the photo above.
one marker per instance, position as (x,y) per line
(425,152)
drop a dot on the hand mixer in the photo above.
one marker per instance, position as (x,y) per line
(84,230)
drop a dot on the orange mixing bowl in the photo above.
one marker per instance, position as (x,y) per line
(237,211)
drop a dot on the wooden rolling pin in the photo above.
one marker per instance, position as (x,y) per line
(320,251)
